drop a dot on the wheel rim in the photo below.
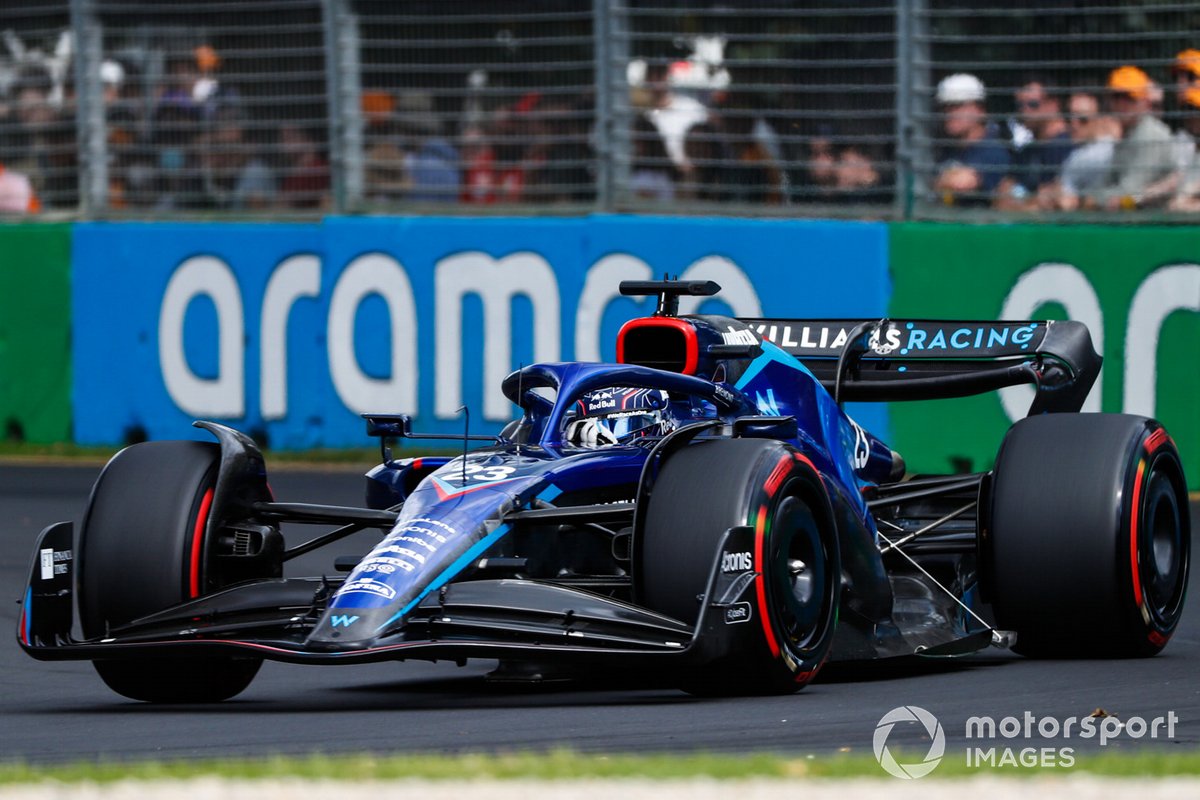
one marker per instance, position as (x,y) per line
(1161,551)
(800,581)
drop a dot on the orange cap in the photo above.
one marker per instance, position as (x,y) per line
(206,58)
(1188,61)
(378,103)
(1191,96)
(1131,81)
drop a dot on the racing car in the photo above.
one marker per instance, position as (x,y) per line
(703,511)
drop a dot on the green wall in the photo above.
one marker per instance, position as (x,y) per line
(35,343)
(969,271)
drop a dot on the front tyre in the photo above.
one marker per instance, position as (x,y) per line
(702,491)
(142,549)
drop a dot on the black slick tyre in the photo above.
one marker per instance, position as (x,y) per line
(702,491)
(1088,546)
(141,550)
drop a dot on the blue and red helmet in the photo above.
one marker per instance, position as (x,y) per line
(616,415)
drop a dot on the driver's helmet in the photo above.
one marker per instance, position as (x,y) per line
(617,415)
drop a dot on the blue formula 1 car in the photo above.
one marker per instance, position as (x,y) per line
(703,511)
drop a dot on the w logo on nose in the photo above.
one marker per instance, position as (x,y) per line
(343,620)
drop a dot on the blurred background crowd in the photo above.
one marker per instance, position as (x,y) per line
(301,106)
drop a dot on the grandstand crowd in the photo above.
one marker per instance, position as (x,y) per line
(190,143)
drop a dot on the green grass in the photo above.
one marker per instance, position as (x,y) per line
(567,765)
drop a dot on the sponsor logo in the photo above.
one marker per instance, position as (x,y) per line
(767,405)
(736,562)
(724,394)
(369,586)
(886,343)
(731,336)
(911,339)
(411,540)
(404,551)
(385,565)
(343,620)
(862,447)
(53,562)
(811,338)
(911,715)
(417,525)
(738,612)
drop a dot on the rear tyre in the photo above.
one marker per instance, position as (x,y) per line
(1088,548)
(141,550)
(701,492)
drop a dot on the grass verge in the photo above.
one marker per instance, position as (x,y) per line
(568,765)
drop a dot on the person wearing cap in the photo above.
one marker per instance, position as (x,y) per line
(1144,170)
(1186,72)
(973,158)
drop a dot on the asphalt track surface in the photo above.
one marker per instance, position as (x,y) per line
(52,712)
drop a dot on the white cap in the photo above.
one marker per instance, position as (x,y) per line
(961,87)
(112,72)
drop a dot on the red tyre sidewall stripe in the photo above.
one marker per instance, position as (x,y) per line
(777,475)
(760,529)
(1134,513)
(198,544)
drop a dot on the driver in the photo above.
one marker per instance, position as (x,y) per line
(616,415)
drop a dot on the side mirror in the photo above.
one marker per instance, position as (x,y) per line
(389,425)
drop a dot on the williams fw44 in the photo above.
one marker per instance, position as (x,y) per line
(702,511)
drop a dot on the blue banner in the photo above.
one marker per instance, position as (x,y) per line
(291,331)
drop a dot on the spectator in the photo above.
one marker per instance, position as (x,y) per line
(431,161)
(752,176)
(385,176)
(479,166)
(567,176)
(1187,72)
(1037,164)
(974,160)
(177,172)
(31,150)
(708,155)
(1144,170)
(1088,165)
(305,183)
(674,112)
(820,168)
(856,178)
(16,193)
(652,176)
(236,177)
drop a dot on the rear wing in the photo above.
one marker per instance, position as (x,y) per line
(885,360)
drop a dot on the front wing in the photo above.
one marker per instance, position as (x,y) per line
(504,619)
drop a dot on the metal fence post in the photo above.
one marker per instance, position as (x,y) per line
(620,143)
(920,90)
(344,90)
(602,33)
(90,131)
(904,122)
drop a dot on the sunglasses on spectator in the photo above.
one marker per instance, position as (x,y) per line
(1082,120)
(1029,104)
